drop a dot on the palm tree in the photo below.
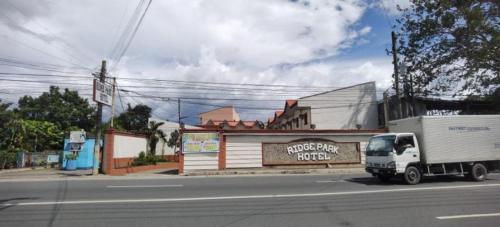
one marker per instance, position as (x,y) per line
(154,135)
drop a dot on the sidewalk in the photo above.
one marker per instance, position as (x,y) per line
(277,171)
(23,175)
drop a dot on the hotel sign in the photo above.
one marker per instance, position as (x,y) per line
(103,93)
(310,151)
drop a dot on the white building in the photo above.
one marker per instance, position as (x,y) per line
(168,127)
(353,107)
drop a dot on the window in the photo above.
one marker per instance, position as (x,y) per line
(406,141)
(296,122)
(305,119)
(403,143)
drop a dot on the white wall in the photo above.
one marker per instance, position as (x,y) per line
(128,146)
(205,161)
(351,106)
(245,150)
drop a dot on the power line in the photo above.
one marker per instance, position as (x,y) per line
(129,39)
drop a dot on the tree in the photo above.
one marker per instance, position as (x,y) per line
(155,134)
(174,140)
(451,46)
(31,135)
(67,110)
(6,115)
(134,119)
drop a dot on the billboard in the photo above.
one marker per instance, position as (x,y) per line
(103,93)
(200,143)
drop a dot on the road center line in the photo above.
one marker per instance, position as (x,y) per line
(468,216)
(455,187)
(145,186)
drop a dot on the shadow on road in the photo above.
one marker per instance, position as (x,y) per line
(399,180)
(169,172)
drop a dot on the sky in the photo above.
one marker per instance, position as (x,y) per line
(210,51)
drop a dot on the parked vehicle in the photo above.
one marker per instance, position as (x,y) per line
(466,145)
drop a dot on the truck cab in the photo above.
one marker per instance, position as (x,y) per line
(388,155)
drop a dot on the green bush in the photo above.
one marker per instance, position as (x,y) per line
(7,159)
(71,156)
(148,159)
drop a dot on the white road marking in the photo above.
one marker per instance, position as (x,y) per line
(455,187)
(329,181)
(145,186)
(468,216)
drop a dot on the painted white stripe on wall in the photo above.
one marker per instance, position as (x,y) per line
(208,161)
(243,152)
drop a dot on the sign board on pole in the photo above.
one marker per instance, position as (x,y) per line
(77,137)
(200,142)
(102,92)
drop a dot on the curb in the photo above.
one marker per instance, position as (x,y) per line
(275,172)
(20,170)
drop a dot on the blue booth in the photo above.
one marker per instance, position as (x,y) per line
(85,158)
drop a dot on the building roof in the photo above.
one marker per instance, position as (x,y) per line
(224,107)
(233,124)
(291,102)
(338,89)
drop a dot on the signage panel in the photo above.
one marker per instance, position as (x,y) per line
(103,93)
(77,137)
(200,142)
(310,151)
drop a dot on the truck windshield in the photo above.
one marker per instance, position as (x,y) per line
(380,146)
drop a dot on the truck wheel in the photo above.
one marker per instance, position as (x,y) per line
(478,172)
(412,175)
(384,178)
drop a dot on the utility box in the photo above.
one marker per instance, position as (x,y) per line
(85,158)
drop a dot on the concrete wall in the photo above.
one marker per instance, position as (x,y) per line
(129,146)
(244,150)
(344,108)
(205,161)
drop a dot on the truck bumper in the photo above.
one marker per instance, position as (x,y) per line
(380,171)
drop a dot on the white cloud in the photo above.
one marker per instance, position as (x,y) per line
(391,6)
(232,41)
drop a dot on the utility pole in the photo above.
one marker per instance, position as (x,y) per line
(179,111)
(97,146)
(413,111)
(386,110)
(113,103)
(396,74)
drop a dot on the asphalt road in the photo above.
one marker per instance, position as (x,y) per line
(288,200)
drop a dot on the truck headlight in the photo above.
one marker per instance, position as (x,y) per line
(391,165)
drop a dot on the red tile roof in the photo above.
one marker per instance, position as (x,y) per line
(291,102)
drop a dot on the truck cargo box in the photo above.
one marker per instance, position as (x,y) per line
(460,138)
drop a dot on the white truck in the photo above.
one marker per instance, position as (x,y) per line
(466,145)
